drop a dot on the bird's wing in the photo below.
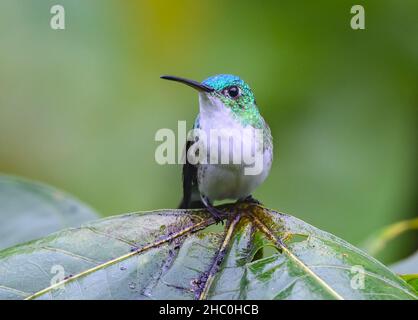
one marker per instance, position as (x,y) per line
(189,181)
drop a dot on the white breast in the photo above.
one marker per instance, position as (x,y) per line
(228,181)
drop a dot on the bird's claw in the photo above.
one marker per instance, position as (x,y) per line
(251,199)
(216,214)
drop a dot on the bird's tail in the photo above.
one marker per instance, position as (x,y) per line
(183,204)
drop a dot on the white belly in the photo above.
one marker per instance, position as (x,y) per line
(221,181)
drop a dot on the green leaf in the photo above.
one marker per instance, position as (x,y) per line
(412,280)
(408,270)
(168,254)
(379,240)
(29,210)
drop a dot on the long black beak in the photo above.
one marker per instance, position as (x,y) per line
(191,83)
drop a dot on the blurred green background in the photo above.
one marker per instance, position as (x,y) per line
(79,107)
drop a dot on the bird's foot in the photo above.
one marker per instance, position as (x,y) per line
(216,214)
(250,199)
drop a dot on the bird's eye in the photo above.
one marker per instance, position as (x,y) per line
(233,92)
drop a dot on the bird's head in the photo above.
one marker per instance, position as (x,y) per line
(225,92)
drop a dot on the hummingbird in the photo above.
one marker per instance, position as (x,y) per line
(226,103)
